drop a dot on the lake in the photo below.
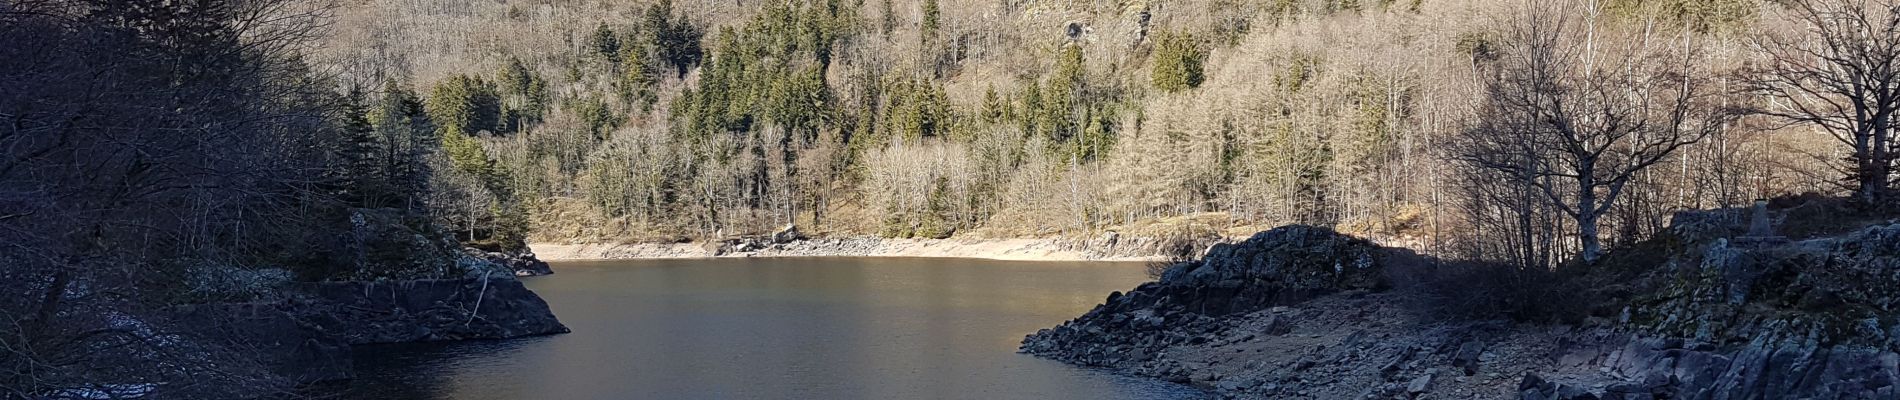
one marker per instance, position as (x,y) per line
(792,328)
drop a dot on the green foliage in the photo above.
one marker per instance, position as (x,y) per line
(1379,107)
(637,83)
(465,105)
(1296,161)
(1031,108)
(1178,60)
(596,118)
(401,137)
(657,45)
(1058,114)
(771,70)
(936,223)
(524,96)
(664,40)
(1379,103)
(932,22)
(917,109)
(466,153)
(995,107)
(605,43)
(357,170)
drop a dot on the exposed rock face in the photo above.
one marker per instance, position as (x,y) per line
(391,244)
(1297,312)
(425,310)
(1842,289)
(1769,367)
(522,263)
(306,336)
(1280,266)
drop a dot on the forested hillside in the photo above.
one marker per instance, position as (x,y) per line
(1512,130)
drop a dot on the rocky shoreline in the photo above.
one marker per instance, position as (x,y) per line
(789,243)
(304,331)
(1301,312)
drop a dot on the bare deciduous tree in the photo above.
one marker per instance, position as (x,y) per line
(1832,65)
(1577,110)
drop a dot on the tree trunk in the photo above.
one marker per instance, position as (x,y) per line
(1872,167)
(1587,213)
(1587,233)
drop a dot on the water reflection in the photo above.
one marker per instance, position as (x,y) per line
(779,328)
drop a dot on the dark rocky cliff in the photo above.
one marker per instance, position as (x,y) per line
(425,310)
(306,336)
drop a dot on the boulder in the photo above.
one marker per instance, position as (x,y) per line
(787,234)
(1466,359)
(1421,384)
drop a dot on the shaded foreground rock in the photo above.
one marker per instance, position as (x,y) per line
(1280,266)
(425,310)
(1195,302)
(287,348)
(306,336)
(1767,368)
(1300,312)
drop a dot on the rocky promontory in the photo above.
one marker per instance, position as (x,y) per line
(307,334)
(1303,312)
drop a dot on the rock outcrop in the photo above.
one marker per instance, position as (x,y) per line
(1299,312)
(305,335)
(1281,266)
(1845,288)
(523,263)
(1810,319)
(1769,367)
(424,310)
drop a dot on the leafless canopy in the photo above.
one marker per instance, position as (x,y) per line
(1575,108)
(1831,66)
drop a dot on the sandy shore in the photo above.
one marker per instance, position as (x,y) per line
(994,249)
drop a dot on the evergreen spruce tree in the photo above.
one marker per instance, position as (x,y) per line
(1178,62)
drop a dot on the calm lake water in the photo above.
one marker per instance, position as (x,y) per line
(813,328)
